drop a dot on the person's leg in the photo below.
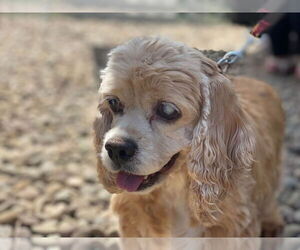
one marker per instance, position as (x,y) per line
(279,33)
(295,26)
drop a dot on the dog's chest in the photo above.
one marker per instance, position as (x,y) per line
(181,225)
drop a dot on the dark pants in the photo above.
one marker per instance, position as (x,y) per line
(285,35)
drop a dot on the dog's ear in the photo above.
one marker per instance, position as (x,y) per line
(222,144)
(101,125)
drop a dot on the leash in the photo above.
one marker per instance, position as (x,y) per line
(256,32)
(233,56)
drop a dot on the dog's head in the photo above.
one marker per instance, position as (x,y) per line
(162,103)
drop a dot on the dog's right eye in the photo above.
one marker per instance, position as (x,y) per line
(115,105)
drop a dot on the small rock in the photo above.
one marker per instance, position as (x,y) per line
(107,223)
(52,188)
(89,189)
(67,226)
(22,232)
(20,185)
(292,230)
(54,211)
(47,167)
(88,213)
(46,227)
(297,216)
(91,231)
(7,217)
(34,159)
(28,219)
(297,172)
(290,182)
(287,213)
(6,205)
(294,200)
(63,195)
(295,149)
(103,194)
(90,176)
(28,193)
(74,181)
(5,231)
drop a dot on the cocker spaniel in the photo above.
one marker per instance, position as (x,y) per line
(187,150)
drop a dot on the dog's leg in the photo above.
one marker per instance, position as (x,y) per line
(272,224)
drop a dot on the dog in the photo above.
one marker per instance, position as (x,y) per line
(187,150)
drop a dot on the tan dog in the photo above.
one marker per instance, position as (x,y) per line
(188,150)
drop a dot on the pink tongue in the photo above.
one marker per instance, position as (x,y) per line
(129,182)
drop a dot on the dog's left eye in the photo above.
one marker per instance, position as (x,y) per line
(115,104)
(168,111)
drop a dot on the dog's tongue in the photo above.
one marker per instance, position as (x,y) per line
(129,182)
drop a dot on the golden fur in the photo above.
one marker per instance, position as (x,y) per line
(225,180)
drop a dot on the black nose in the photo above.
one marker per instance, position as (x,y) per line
(120,150)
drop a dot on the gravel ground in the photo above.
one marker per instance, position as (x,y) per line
(48,98)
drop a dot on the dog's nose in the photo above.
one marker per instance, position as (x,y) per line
(120,150)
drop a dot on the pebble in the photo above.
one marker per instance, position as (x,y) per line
(287,213)
(88,213)
(22,232)
(297,173)
(290,182)
(292,230)
(7,217)
(34,159)
(63,195)
(52,188)
(91,231)
(5,231)
(75,182)
(294,200)
(297,216)
(108,223)
(28,219)
(67,227)
(54,211)
(46,227)
(29,193)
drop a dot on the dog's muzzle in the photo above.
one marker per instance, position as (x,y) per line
(120,150)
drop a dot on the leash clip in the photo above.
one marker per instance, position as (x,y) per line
(229,58)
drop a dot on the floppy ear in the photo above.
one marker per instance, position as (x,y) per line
(222,144)
(101,125)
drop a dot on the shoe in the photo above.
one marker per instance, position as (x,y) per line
(297,71)
(278,65)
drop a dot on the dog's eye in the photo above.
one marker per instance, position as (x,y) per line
(115,104)
(168,111)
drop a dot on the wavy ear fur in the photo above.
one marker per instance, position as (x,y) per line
(222,144)
(101,125)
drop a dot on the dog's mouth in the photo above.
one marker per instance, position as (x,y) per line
(133,183)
